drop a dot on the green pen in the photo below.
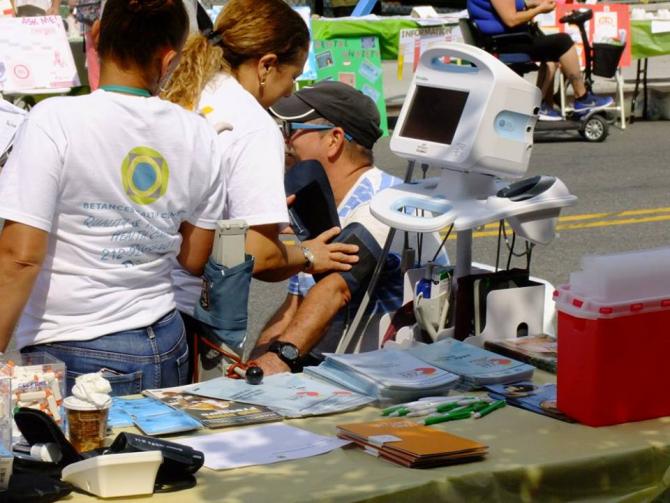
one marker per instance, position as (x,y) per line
(452,416)
(400,411)
(447,407)
(476,407)
(490,408)
(388,410)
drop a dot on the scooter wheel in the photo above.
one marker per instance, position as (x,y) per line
(595,129)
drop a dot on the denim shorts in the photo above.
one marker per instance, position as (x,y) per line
(152,357)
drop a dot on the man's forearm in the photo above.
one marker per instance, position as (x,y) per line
(318,308)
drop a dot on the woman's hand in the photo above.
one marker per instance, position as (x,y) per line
(330,257)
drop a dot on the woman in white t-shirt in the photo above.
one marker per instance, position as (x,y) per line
(232,75)
(100,195)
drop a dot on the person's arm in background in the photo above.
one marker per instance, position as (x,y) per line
(22,251)
(306,326)
(54,10)
(512,18)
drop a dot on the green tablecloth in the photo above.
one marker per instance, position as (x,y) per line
(644,43)
(387,30)
(647,44)
(532,458)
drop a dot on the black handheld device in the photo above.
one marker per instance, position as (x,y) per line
(314,210)
(180,462)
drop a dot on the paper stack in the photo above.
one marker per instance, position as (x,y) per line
(291,395)
(406,443)
(476,367)
(386,374)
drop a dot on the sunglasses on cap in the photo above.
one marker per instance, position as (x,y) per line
(290,128)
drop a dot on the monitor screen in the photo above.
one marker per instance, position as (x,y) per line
(434,114)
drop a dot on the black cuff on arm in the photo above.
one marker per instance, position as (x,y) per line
(369,253)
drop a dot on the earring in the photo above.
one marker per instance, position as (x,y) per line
(263,82)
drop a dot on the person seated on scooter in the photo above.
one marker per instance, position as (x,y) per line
(494,17)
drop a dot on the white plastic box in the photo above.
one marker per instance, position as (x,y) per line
(622,277)
(6,458)
(37,381)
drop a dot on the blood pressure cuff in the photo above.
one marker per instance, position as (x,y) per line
(223,307)
(314,210)
(369,253)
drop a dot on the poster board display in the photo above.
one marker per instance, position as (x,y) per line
(309,71)
(357,62)
(6,8)
(35,55)
(413,42)
(610,22)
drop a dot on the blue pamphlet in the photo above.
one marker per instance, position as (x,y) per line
(540,399)
(476,366)
(150,416)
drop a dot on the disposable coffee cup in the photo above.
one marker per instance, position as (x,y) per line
(86,424)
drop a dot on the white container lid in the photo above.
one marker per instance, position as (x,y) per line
(582,306)
(74,403)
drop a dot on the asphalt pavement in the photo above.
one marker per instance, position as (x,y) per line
(623,186)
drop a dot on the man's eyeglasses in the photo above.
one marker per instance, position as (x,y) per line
(290,128)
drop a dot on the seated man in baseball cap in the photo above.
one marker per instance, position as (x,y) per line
(338,126)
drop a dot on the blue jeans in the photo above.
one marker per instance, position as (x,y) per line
(152,357)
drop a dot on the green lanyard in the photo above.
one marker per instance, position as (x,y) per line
(135,91)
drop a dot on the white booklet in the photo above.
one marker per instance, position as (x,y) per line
(477,366)
(392,369)
(291,395)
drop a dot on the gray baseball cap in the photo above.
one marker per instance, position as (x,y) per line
(338,103)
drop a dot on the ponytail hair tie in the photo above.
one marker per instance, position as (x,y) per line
(212,36)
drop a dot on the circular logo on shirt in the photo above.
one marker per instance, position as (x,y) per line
(144,173)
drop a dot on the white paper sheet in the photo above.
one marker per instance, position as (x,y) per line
(260,445)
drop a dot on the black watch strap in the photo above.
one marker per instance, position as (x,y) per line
(288,353)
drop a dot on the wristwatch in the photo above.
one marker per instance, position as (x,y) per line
(309,258)
(288,353)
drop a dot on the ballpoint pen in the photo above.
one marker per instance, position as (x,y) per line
(446,407)
(421,404)
(462,412)
(414,410)
(452,416)
(487,410)
(443,406)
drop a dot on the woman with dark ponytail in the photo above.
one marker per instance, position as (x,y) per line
(102,193)
(232,74)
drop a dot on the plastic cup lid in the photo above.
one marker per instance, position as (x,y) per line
(74,403)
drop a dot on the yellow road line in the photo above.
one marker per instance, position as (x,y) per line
(583,221)
(589,221)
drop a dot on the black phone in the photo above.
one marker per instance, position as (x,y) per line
(314,210)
